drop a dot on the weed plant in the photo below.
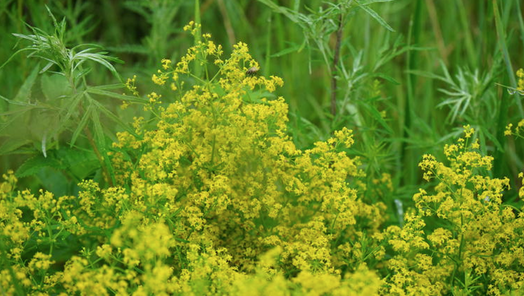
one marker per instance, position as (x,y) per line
(340,148)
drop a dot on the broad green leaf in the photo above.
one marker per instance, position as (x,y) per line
(80,163)
(55,86)
(33,165)
(54,180)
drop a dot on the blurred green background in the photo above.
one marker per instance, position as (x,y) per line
(405,91)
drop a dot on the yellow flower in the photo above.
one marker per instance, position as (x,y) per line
(40,261)
(508,132)
(468,131)
(166,63)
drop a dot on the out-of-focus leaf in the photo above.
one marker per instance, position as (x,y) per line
(33,165)
(55,86)
(25,90)
(12,144)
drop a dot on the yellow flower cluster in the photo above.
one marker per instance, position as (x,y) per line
(201,198)
(520,75)
(461,232)
(518,131)
(220,167)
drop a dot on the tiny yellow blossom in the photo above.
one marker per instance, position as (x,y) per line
(508,132)
(468,131)
(124,105)
(520,75)
(166,63)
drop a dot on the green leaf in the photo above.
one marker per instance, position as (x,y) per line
(129,48)
(55,86)
(12,145)
(71,106)
(100,91)
(33,165)
(115,118)
(387,78)
(80,163)
(81,126)
(367,2)
(375,15)
(24,93)
(98,57)
(485,132)
(294,48)
(98,131)
(290,14)
(378,117)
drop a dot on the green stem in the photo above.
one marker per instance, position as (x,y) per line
(505,102)
(406,158)
(268,47)
(470,48)
(198,36)
(336,59)
(501,36)
(98,156)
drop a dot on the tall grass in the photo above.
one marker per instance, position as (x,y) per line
(395,88)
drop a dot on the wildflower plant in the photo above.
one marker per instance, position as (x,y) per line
(65,104)
(220,158)
(202,191)
(461,238)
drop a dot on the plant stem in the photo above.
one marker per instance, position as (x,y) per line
(501,34)
(336,59)
(410,116)
(505,100)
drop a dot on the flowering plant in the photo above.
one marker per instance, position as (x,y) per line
(202,192)
(210,195)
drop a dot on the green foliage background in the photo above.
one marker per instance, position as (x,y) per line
(430,38)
